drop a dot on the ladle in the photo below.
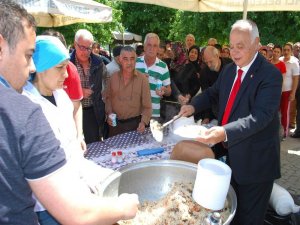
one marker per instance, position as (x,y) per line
(157,129)
(170,121)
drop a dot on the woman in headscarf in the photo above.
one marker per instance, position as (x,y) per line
(185,84)
(46,89)
(187,79)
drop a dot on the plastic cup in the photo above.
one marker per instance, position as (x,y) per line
(212,184)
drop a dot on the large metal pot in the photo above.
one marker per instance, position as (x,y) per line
(151,180)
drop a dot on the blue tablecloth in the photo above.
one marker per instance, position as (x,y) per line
(128,143)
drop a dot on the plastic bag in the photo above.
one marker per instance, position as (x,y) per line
(282,202)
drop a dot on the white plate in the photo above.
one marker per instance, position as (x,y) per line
(182,121)
(188,132)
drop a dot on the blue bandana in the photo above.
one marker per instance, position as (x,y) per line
(49,52)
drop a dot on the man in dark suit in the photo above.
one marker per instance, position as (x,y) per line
(248,131)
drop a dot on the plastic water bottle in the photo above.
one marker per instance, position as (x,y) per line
(158,84)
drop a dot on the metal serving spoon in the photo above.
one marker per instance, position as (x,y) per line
(171,121)
(157,129)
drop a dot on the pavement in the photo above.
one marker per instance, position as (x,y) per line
(290,167)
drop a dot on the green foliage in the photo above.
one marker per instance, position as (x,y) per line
(203,26)
(143,18)
(171,24)
(276,27)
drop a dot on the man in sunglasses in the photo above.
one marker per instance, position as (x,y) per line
(92,72)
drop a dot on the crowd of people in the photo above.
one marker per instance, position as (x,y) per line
(189,70)
(286,59)
(241,89)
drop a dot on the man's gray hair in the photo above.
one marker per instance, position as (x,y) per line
(191,35)
(213,39)
(13,19)
(84,34)
(297,44)
(127,48)
(246,25)
(212,50)
(151,35)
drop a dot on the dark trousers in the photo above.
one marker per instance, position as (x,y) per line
(168,110)
(124,126)
(90,126)
(297,131)
(252,202)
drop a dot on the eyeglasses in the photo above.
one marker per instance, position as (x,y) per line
(83,48)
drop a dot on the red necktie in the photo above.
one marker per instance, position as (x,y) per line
(232,96)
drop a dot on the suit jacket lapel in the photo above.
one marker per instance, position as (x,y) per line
(228,83)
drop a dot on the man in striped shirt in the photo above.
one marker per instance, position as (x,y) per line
(157,71)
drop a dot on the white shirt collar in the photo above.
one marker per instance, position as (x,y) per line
(156,61)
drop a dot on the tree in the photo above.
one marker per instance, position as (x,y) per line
(202,26)
(275,27)
(142,19)
(171,24)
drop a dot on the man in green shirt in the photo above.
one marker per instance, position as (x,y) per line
(157,70)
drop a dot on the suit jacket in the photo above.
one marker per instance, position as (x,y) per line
(253,127)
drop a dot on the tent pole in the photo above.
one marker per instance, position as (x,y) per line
(109,49)
(245,6)
(123,38)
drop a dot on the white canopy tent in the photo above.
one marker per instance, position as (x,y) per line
(126,37)
(225,5)
(55,13)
